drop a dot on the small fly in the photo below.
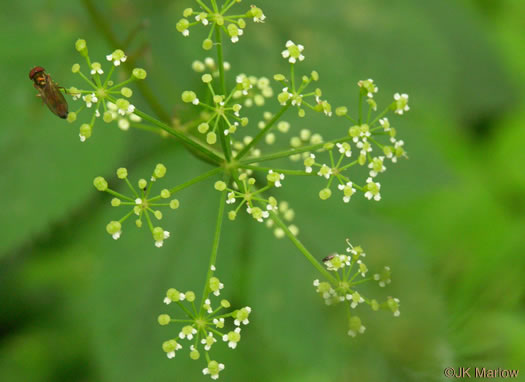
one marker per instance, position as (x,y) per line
(49,91)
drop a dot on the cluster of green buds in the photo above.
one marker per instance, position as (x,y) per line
(221,109)
(350,271)
(102,95)
(252,90)
(139,203)
(209,66)
(202,325)
(258,206)
(218,17)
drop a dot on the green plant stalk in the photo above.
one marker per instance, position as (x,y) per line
(225,141)
(303,249)
(214,249)
(287,153)
(197,179)
(279,170)
(207,153)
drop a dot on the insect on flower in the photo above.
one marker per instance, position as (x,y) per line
(49,91)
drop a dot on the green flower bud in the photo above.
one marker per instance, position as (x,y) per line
(75,68)
(115,202)
(108,117)
(190,296)
(164,319)
(173,294)
(142,183)
(188,96)
(325,193)
(122,173)
(160,171)
(139,73)
(283,98)
(169,346)
(220,185)
(232,215)
(138,223)
(225,304)
(126,92)
(100,183)
(182,25)
(341,111)
(158,234)
(354,131)
(71,117)
(194,354)
(203,128)
(165,194)
(85,131)
(187,12)
(81,47)
(174,204)
(207,44)
(301,113)
(211,138)
(113,227)
(315,76)
(158,214)
(207,78)
(279,77)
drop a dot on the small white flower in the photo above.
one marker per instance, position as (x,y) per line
(231,198)
(373,190)
(344,148)
(401,103)
(293,52)
(369,86)
(385,124)
(116,235)
(96,68)
(208,341)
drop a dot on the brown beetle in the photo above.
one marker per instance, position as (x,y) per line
(49,91)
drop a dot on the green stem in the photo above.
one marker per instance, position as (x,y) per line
(214,249)
(280,170)
(263,132)
(302,248)
(291,152)
(225,141)
(198,179)
(381,115)
(119,195)
(210,155)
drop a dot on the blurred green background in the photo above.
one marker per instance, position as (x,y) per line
(77,306)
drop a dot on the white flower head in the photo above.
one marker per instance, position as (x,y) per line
(401,103)
(117,57)
(293,52)
(372,190)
